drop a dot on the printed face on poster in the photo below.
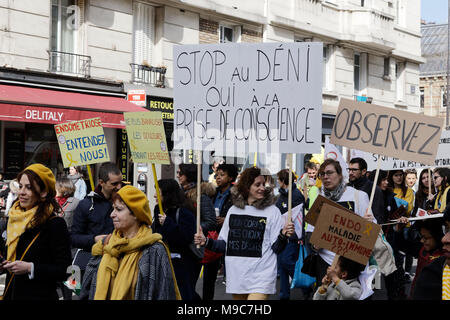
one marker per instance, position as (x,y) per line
(82,142)
(239,98)
(147,137)
(387,131)
(345,234)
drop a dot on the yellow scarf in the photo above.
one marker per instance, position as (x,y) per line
(18,222)
(115,278)
(441,199)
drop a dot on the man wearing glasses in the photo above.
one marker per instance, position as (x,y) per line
(434,280)
(357,170)
(91,219)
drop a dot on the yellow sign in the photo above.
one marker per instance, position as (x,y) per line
(82,142)
(147,137)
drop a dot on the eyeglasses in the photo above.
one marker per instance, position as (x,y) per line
(178,173)
(436,177)
(353,169)
(326,173)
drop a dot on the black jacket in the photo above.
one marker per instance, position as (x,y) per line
(429,283)
(91,218)
(282,202)
(51,256)
(366,185)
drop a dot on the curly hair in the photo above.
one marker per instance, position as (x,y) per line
(246,180)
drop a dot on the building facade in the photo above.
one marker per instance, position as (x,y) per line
(372,48)
(433,73)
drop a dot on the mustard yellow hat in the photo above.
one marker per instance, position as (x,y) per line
(138,203)
(46,176)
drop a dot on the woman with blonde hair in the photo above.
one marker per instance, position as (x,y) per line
(132,263)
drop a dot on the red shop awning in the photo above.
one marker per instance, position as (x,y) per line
(26,104)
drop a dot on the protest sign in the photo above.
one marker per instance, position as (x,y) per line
(147,137)
(387,131)
(345,234)
(82,142)
(240,98)
(392,163)
(314,211)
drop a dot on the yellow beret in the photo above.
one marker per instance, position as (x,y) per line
(138,203)
(46,176)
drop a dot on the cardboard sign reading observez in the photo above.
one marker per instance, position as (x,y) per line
(387,131)
(345,234)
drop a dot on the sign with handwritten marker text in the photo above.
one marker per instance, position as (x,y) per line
(82,142)
(345,234)
(147,137)
(236,98)
(387,131)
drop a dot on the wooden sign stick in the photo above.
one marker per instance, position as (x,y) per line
(199,188)
(158,195)
(429,181)
(91,180)
(374,186)
(289,160)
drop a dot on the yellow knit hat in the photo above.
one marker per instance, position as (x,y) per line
(46,176)
(138,203)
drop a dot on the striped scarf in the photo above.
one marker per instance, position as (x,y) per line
(446,283)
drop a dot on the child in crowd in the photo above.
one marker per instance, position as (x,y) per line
(341,282)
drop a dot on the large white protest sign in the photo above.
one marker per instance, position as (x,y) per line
(389,163)
(240,98)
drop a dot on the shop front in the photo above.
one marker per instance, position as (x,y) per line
(28,116)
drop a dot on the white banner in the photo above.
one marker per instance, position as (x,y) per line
(237,98)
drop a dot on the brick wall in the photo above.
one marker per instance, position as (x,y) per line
(251,36)
(209,31)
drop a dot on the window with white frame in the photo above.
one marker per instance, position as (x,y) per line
(387,67)
(400,81)
(326,81)
(400,13)
(65,21)
(443,98)
(356,72)
(226,34)
(422,98)
(143,33)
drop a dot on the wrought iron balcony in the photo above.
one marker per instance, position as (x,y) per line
(69,63)
(155,76)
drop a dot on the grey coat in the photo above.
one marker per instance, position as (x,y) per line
(155,280)
(345,290)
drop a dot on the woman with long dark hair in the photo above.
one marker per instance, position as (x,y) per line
(421,197)
(441,179)
(38,242)
(177,227)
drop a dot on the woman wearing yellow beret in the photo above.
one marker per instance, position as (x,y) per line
(38,243)
(132,263)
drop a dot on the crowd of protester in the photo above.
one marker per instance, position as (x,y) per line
(126,251)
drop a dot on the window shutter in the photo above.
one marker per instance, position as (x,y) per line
(143,33)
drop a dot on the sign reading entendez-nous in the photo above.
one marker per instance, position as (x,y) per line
(147,137)
(345,234)
(387,131)
(237,98)
(82,142)
(390,163)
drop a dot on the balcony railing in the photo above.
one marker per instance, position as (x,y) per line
(69,63)
(154,76)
